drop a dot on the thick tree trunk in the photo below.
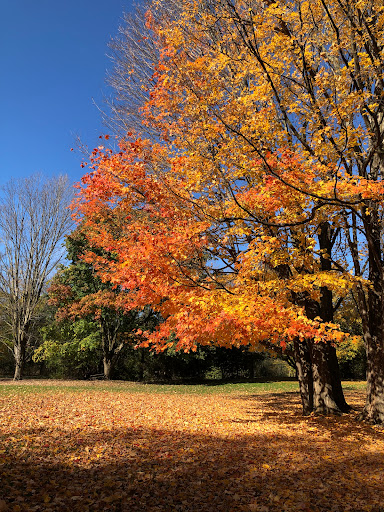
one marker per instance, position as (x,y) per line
(319,376)
(374,346)
(337,389)
(317,367)
(327,393)
(19,354)
(373,325)
(374,406)
(319,379)
(328,396)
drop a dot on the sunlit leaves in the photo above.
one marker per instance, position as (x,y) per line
(266,117)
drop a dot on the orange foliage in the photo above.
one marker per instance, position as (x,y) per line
(205,264)
(247,170)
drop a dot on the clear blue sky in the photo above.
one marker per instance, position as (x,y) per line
(53,61)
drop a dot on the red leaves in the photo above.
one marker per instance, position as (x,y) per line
(167,237)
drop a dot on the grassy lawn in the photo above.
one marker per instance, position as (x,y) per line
(119,446)
(209,388)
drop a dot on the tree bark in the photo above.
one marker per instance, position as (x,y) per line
(373,328)
(304,375)
(337,389)
(328,396)
(108,366)
(374,407)
(19,354)
(318,374)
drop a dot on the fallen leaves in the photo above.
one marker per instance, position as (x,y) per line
(95,450)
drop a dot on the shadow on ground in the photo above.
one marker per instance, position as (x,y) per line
(152,470)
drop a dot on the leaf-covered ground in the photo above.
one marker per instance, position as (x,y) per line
(94,448)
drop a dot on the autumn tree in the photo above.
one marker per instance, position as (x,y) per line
(173,253)
(131,51)
(79,294)
(34,217)
(304,77)
(134,54)
(270,117)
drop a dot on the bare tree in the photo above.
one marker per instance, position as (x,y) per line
(135,56)
(34,217)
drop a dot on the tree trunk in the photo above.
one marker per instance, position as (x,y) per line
(337,389)
(108,366)
(321,360)
(304,375)
(110,349)
(318,374)
(317,367)
(19,354)
(328,396)
(374,328)
(374,406)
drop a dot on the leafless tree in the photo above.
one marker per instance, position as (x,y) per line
(34,218)
(135,55)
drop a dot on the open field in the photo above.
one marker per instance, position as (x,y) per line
(100,446)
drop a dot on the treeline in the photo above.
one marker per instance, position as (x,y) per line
(83,328)
(71,361)
(82,358)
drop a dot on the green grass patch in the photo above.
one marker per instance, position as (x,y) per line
(209,388)
(351,385)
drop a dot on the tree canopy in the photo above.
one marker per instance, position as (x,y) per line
(79,294)
(258,206)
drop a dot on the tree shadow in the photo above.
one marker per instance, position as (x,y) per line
(283,406)
(285,409)
(139,470)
